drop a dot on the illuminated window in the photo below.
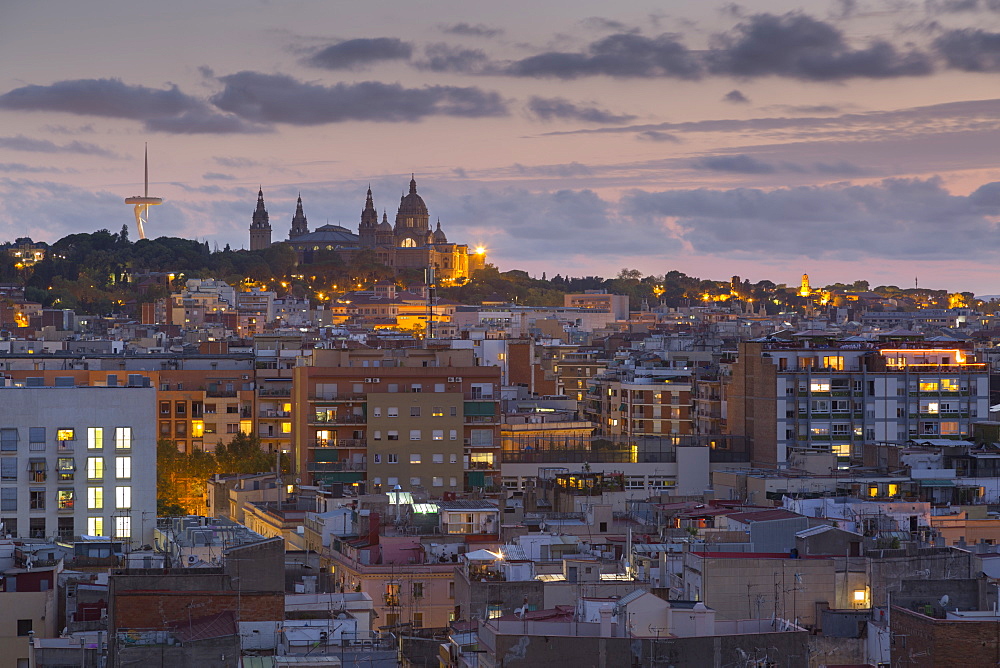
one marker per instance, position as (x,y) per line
(197,428)
(859,595)
(928,385)
(415,459)
(123,527)
(64,499)
(65,434)
(819,385)
(123,467)
(123,438)
(123,497)
(820,431)
(949,428)
(834,362)
(95,468)
(66,467)
(286,427)
(95,498)
(437,411)
(246,426)
(873,491)
(893,489)
(842,450)
(95,526)
(949,385)
(929,407)
(437,435)
(95,438)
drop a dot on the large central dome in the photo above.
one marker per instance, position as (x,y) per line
(412,204)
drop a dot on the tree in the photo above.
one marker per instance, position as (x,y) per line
(243,455)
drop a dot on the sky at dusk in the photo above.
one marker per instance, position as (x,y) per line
(851,139)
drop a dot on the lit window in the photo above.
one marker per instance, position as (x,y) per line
(95,498)
(415,459)
(123,527)
(819,386)
(123,438)
(123,467)
(949,428)
(95,526)
(66,467)
(873,491)
(859,595)
(929,386)
(64,499)
(286,427)
(893,489)
(95,438)
(65,434)
(123,497)
(197,428)
(95,468)
(437,411)
(949,385)
(437,435)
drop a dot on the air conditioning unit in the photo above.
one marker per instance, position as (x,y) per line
(368,380)
(246,376)
(373,380)
(455,379)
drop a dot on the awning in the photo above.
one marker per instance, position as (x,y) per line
(340,476)
(937,483)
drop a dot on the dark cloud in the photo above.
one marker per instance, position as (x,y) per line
(557,108)
(275,98)
(656,135)
(792,45)
(217,176)
(580,222)
(801,47)
(601,23)
(970,49)
(736,97)
(471,30)
(167,110)
(895,218)
(740,164)
(87,129)
(22,143)
(621,55)
(356,53)
(448,58)
(844,9)
(807,108)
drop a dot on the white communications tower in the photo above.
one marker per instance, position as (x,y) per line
(143,203)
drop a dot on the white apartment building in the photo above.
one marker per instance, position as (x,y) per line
(78,460)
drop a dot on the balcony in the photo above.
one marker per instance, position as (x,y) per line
(339,443)
(338,397)
(481,466)
(274,392)
(338,419)
(272,413)
(335,467)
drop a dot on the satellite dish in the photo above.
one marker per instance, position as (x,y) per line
(944,600)
(298,481)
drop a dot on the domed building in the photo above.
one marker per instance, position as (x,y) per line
(409,244)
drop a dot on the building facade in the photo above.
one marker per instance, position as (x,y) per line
(78,460)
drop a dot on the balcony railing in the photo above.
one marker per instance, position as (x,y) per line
(272,413)
(338,443)
(338,419)
(341,396)
(335,467)
(275,392)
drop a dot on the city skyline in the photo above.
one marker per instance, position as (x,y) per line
(850,141)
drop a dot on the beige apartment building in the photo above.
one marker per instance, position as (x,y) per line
(418,418)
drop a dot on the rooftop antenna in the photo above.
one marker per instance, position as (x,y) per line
(143,203)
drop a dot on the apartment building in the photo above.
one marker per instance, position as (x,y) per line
(417,418)
(196,409)
(641,401)
(816,393)
(78,460)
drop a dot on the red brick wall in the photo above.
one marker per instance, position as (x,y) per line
(925,642)
(155,610)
